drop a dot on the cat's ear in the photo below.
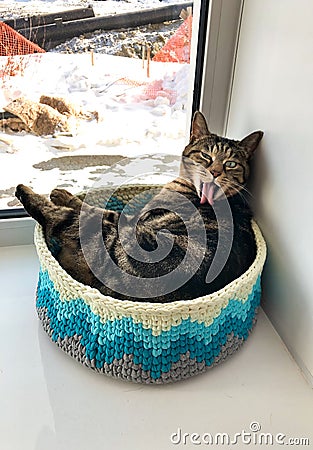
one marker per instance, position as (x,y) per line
(199,127)
(251,142)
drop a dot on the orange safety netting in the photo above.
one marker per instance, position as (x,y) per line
(12,43)
(177,49)
(155,89)
(130,82)
(151,90)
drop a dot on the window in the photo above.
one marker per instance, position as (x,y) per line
(114,93)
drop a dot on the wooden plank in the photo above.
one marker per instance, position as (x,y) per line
(49,36)
(46,19)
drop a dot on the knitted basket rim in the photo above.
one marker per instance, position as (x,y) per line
(70,288)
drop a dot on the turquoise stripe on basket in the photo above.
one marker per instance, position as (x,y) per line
(106,341)
(132,206)
(115,204)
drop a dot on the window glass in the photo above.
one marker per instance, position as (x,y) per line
(81,92)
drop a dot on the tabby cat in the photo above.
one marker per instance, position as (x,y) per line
(165,251)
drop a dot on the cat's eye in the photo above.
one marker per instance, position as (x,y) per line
(206,156)
(230,164)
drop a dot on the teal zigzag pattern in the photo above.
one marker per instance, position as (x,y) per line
(105,342)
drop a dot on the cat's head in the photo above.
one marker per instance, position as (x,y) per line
(216,165)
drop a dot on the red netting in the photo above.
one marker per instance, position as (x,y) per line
(177,49)
(151,90)
(155,89)
(15,48)
(130,82)
(12,43)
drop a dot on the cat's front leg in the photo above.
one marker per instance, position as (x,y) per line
(36,205)
(23,192)
(61,197)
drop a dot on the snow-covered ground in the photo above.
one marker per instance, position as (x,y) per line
(138,115)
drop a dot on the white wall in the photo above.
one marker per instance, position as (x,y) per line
(273,91)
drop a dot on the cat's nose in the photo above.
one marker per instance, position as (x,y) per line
(215,172)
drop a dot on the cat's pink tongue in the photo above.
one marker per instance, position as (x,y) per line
(207,193)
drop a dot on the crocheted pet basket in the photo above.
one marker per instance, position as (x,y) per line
(140,341)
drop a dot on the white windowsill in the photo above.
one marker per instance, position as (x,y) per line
(16,231)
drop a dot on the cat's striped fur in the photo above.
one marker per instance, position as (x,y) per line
(212,167)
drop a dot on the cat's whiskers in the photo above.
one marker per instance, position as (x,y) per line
(236,190)
(242,188)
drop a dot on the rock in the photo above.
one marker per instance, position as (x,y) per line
(36,117)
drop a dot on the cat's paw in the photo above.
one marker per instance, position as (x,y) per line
(22,191)
(61,197)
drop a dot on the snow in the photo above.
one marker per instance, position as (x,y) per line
(138,115)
